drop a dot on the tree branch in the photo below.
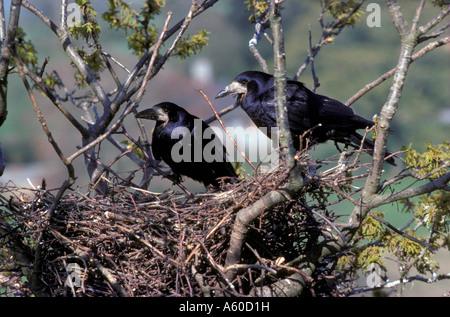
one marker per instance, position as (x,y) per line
(7,41)
(280,83)
(407,236)
(397,17)
(54,99)
(427,27)
(328,31)
(260,27)
(241,224)
(123,93)
(131,107)
(390,284)
(372,186)
(440,183)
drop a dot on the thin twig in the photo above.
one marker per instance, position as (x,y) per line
(221,113)
(389,74)
(226,130)
(130,108)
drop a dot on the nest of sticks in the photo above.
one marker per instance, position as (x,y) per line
(139,243)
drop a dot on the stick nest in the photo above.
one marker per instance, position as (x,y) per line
(138,243)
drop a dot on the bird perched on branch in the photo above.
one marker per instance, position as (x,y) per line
(187,144)
(319,117)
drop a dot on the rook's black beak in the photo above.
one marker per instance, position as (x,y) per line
(150,114)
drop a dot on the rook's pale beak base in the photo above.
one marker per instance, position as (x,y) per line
(235,88)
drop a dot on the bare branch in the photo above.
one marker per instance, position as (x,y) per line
(370,197)
(2,161)
(226,130)
(260,27)
(83,68)
(241,223)
(389,74)
(392,284)
(280,84)
(416,18)
(3,31)
(397,16)
(222,113)
(439,183)
(39,114)
(427,27)
(328,31)
(404,234)
(7,39)
(53,98)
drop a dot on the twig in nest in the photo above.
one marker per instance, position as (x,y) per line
(86,255)
(217,266)
(151,247)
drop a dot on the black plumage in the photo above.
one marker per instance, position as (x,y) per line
(306,110)
(179,139)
